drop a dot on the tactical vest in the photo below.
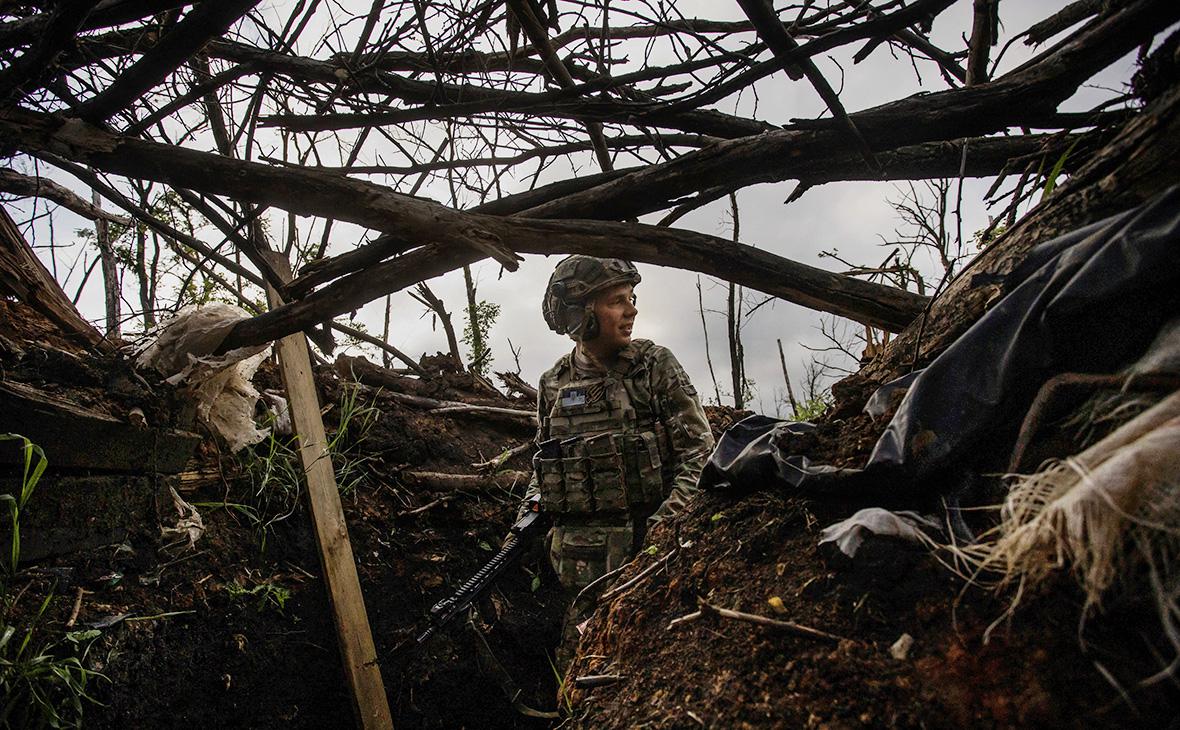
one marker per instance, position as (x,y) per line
(602,471)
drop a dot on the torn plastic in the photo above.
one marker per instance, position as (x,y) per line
(279,412)
(849,534)
(220,385)
(189,526)
(1090,301)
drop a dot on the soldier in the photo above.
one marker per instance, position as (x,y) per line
(622,435)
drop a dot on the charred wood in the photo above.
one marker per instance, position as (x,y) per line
(440,482)
(309,192)
(207,21)
(515,384)
(75,437)
(1024,95)
(36,65)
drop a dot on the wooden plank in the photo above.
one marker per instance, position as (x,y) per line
(75,437)
(358,653)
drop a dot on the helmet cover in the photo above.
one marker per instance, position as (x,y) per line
(569,299)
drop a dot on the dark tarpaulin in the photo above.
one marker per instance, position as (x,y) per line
(1090,301)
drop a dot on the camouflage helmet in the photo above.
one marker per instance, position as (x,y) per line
(569,298)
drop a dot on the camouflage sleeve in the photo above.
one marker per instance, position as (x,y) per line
(688,430)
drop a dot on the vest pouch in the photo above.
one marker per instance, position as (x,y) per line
(649,467)
(608,473)
(575,468)
(551,482)
(580,554)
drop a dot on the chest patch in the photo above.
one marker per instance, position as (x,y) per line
(573,397)
(580,395)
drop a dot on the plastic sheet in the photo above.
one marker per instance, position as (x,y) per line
(1091,301)
(849,534)
(182,350)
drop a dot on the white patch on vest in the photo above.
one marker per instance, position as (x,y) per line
(573,397)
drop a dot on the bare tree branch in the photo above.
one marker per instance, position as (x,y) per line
(13,182)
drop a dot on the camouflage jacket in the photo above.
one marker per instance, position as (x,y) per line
(648,370)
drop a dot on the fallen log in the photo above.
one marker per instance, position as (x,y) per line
(515,384)
(23,276)
(443,406)
(13,182)
(463,237)
(366,373)
(1135,165)
(422,393)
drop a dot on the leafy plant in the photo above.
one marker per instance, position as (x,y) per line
(43,686)
(29,478)
(562,694)
(356,421)
(1055,172)
(811,409)
(275,476)
(985,237)
(268,594)
(276,473)
(475,335)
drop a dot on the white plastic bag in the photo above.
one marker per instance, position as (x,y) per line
(182,351)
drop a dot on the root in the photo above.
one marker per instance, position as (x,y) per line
(1109,515)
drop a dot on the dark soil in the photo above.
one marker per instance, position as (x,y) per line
(236,630)
(757,552)
(181,642)
(740,552)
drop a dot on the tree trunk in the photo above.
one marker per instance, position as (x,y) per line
(478,351)
(110,272)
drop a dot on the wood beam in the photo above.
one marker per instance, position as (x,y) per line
(14,182)
(23,276)
(357,651)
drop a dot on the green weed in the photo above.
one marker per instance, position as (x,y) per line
(810,410)
(275,471)
(267,594)
(31,475)
(356,421)
(43,686)
(562,695)
(1051,178)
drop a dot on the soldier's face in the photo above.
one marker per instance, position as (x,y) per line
(615,309)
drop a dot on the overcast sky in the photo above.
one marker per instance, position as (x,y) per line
(850,217)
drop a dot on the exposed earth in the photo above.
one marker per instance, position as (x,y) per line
(235,629)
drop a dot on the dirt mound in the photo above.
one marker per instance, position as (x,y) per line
(673,659)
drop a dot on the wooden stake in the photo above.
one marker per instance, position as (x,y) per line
(357,651)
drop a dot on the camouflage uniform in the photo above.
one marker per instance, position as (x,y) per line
(619,451)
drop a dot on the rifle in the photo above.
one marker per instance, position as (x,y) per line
(442,612)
